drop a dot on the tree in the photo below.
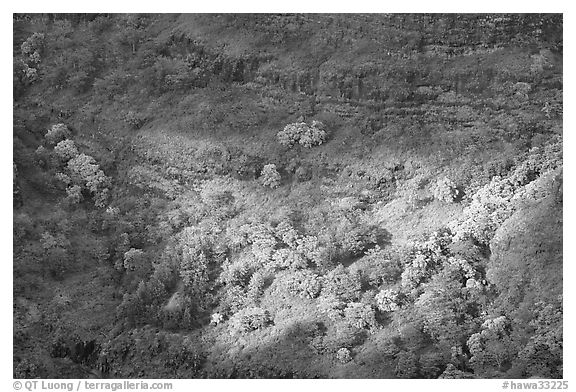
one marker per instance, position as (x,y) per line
(303,283)
(379,267)
(74,194)
(57,133)
(66,150)
(492,348)
(302,133)
(133,259)
(427,257)
(445,190)
(287,234)
(342,283)
(343,355)
(387,300)
(406,365)
(131,30)
(360,315)
(135,120)
(290,135)
(287,258)
(451,372)
(250,319)
(216,318)
(84,171)
(255,287)
(490,207)
(358,239)
(313,136)
(194,248)
(269,176)
(31,50)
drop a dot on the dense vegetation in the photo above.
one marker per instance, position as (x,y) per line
(301,196)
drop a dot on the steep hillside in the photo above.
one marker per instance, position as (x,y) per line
(300,196)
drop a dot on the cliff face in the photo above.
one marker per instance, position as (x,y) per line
(350,53)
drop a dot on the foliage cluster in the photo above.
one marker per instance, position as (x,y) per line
(301,133)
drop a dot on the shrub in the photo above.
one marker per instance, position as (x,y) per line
(255,287)
(431,365)
(183,356)
(551,110)
(28,369)
(74,194)
(539,64)
(343,355)
(285,232)
(41,155)
(379,266)
(521,90)
(135,120)
(263,243)
(445,190)
(269,176)
(193,270)
(63,177)
(23,225)
(444,305)
(56,257)
(86,172)
(216,318)
(290,135)
(313,136)
(101,197)
(426,258)
(343,335)
(233,300)
(342,284)
(286,258)
(237,272)
(66,150)
(57,261)
(359,239)
(331,306)
(218,193)
(406,365)
(133,259)
(48,241)
(100,252)
(308,247)
(451,372)
(490,207)
(491,348)
(176,73)
(57,133)
(303,173)
(32,47)
(114,83)
(360,315)
(387,300)
(28,74)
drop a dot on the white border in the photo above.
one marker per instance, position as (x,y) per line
(490,6)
